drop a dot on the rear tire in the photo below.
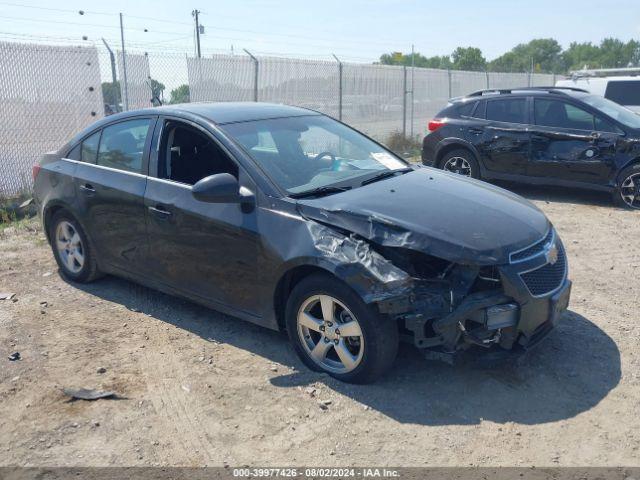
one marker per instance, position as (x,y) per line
(627,193)
(360,353)
(462,162)
(72,249)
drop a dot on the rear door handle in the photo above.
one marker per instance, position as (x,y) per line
(87,188)
(160,211)
(476,131)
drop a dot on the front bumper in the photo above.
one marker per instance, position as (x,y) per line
(536,321)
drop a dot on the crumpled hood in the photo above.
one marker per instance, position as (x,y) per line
(444,215)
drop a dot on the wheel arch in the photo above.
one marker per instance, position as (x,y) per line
(286,283)
(618,175)
(449,144)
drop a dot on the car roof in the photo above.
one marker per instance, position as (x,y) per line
(223,112)
(560,92)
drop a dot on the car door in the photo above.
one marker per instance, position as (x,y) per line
(503,140)
(571,144)
(110,181)
(207,250)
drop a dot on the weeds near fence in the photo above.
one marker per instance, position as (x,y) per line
(406,147)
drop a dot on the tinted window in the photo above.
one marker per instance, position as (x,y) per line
(605,126)
(90,148)
(466,109)
(552,113)
(507,110)
(613,109)
(122,145)
(74,154)
(624,92)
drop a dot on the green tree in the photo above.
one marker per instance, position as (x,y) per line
(111,93)
(180,94)
(581,55)
(469,58)
(545,54)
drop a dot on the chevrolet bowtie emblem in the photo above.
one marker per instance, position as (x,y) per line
(552,255)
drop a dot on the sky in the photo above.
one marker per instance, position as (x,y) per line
(354,30)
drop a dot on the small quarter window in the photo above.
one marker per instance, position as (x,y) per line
(122,145)
(90,148)
(466,109)
(74,154)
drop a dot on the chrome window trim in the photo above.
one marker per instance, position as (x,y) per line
(103,167)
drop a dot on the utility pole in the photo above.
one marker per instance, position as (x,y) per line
(124,67)
(195,14)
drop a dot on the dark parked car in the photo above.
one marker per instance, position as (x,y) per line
(554,136)
(292,220)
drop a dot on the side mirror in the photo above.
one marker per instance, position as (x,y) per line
(221,188)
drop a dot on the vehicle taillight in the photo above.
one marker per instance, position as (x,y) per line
(35,171)
(436,124)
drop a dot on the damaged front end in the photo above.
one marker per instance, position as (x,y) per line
(449,309)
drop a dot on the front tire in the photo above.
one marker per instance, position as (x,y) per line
(72,249)
(461,162)
(627,194)
(333,331)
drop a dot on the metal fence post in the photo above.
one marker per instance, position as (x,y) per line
(124,68)
(486,73)
(449,78)
(404,101)
(255,74)
(339,87)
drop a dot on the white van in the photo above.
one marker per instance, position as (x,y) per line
(620,85)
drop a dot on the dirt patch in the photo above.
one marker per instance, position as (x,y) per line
(201,388)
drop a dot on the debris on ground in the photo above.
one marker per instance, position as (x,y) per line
(88,394)
(14,356)
(26,203)
(101,370)
(6,295)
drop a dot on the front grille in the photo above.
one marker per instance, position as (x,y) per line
(547,278)
(534,249)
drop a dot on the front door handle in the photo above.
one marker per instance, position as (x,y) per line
(87,188)
(160,211)
(476,131)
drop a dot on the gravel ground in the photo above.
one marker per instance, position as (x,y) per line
(200,388)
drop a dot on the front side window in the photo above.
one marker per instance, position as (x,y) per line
(512,110)
(308,152)
(613,110)
(188,155)
(122,145)
(553,113)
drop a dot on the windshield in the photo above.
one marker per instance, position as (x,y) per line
(614,110)
(310,152)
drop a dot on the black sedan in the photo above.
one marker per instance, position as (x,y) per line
(550,136)
(292,220)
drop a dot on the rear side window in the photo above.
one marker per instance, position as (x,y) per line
(122,145)
(466,109)
(552,113)
(512,110)
(624,92)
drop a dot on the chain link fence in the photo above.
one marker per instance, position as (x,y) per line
(48,93)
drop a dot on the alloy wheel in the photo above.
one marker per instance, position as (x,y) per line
(458,165)
(69,246)
(330,334)
(630,190)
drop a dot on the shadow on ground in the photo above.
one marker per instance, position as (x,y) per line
(560,194)
(569,373)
